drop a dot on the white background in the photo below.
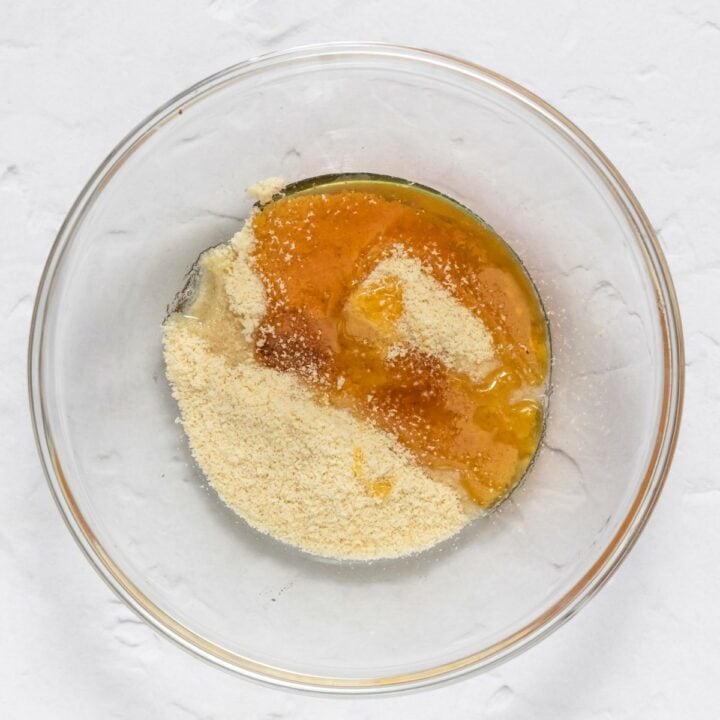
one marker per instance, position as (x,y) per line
(642,78)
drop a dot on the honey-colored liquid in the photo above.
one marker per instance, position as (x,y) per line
(315,247)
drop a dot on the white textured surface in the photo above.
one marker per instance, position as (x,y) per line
(643,79)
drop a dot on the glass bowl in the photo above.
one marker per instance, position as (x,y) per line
(119,466)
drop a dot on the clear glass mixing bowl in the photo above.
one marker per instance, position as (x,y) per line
(119,465)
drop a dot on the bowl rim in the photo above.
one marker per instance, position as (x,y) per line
(585,587)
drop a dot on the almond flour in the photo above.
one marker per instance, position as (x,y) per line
(307,473)
(430,319)
(264,190)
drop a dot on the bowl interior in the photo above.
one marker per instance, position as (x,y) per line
(123,465)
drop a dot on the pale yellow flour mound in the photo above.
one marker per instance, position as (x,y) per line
(309,474)
(264,190)
(431,319)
